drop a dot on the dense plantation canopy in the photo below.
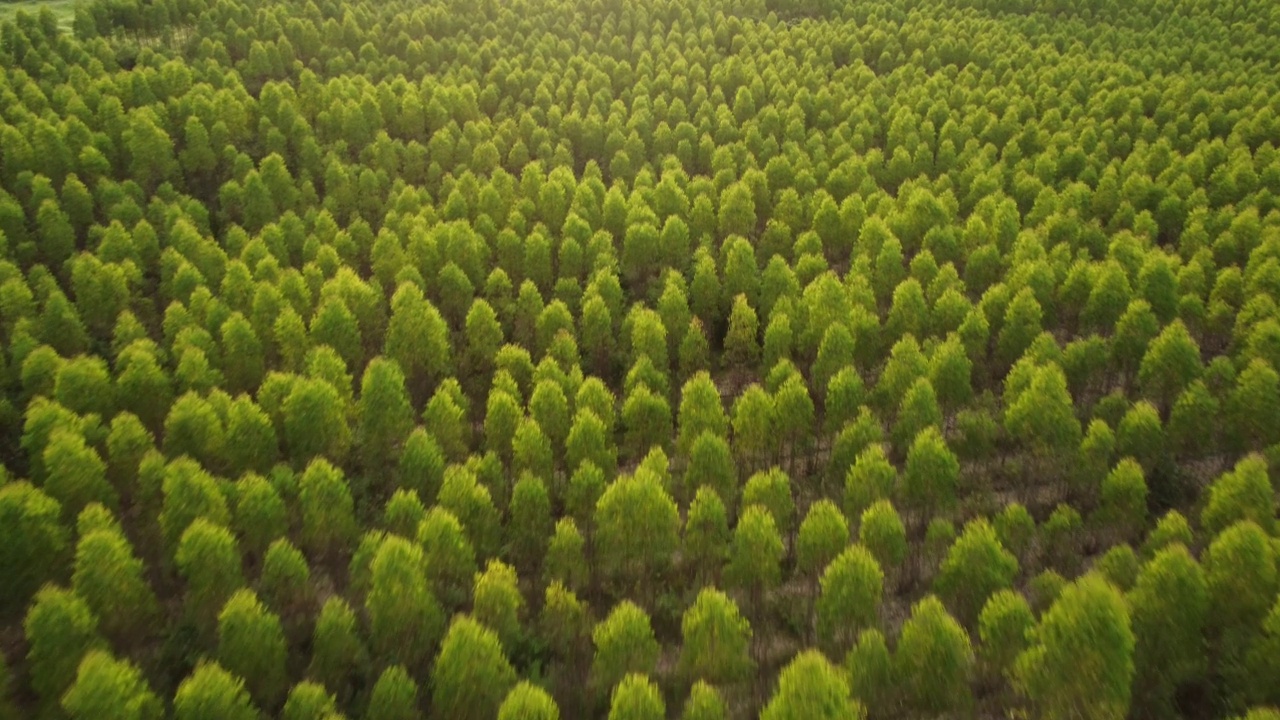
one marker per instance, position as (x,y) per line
(624,358)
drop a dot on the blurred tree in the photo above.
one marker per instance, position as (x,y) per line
(711,465)
(1169,606)
(60,630)
(251,645)
(339,659)
(870,479)
(849,599)
(405,620)
(1240,571)
(471,675)
(704,703)
(527,701)
(636,698)
(308,700)
(933,660)
(34,547)
(881,532)
(497,603)
(529,526)
(716,640)
(637,532)
(110,579)
(1066,675)
(811,687)
(624,644)
(110,689)
(315,423)
(207,557)
(394,696)
(260,513)
(385,417)
(1003,627)
(870,669)
(211,693)
(285,586)
(755,557)
(328,522)
(1242,494)
(931,476)
(706,535)
(75,474)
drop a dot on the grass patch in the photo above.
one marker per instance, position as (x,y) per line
(64,10)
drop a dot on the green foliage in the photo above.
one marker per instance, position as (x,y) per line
(1119,566)
(34,547)
(528,702)
(497,602)
(405,620)
(706,533)
(1065,675)
(277,311)
(823,533)
(339,659)
(811,687)
(716,640)
(471,675)
(870,479)
(636,698)
(870,669)
(307,700)
(976,566)
(450,556)
(110,689)
(772,491)
(328,524)
(933,660)
(251,645)
(530,521)
(712,466)
(704,703)
(637,530)
(565,559)
(189,494)
(1243,494)
(1261,662)
(285,581)
(1241,573)
(881,531)
(75,474)
(386,417)
(742,343)
(110,579)
(849,596)
(209,560)
(700,411)
(212,693)
(755,552)
(624,643)
(1124,498)
(1015,528)
(1169,607)
(394,696)
(60,631)
(1003,627)
(1042,415)
(932,474)
(564,620)
(421,466)
(315,425)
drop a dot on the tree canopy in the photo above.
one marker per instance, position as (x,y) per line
(592,358)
